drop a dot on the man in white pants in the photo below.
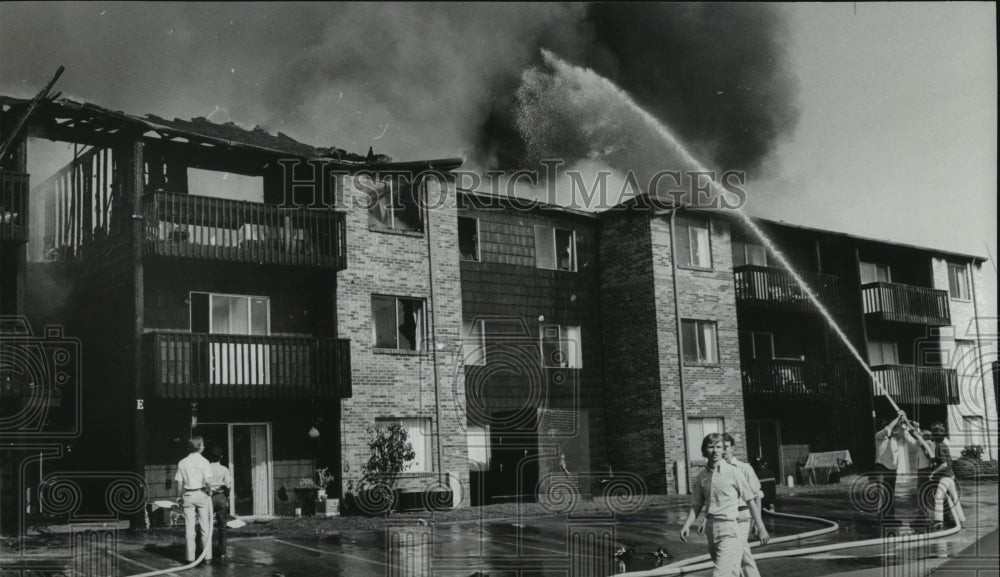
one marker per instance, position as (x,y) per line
(194,481)
(720,490)
(748,566)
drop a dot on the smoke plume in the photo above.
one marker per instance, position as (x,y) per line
(411,80)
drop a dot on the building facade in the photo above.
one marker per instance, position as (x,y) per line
(527,349)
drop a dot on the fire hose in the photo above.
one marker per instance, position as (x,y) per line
(702,562)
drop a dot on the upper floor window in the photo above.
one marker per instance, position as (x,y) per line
(699,342)
(882,353)
(561,347)
(756,345)
(398,323)
(874,272)
(555,248)
(958,281)
(395,205)
(694,247)
(468,238)
(745,253)
(474,342)
(229,314)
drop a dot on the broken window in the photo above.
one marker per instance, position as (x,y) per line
(555,248)
(468,238)
(398,323)
(395,205)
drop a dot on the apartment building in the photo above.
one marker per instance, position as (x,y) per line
(527,350)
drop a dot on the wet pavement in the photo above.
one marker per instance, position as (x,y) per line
(567,545)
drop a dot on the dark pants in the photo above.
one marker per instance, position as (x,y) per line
(220,505)
(926,488)
(887,478)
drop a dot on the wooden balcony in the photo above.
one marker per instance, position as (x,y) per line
(13,206)
(774,288)
(902,303)
(918,385)
(798,380)
(209,366)
(189,226)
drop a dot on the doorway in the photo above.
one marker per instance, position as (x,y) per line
(764,442)
(247,449)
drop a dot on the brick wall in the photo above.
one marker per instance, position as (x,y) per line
(976,392)
(711,391)
(629,321)
(401,384)
(507,287)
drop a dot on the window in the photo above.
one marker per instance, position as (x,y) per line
(555,248)
(974,432)
(756,345)
(395,205)
(479,448)
(874,272)
(882,353)
(698,428)
(694,248)
(474,342)
(229,314)
(745,253)
(958,281)
(399,323)
(561,347)
(418,434)
(468,238)
(699,343)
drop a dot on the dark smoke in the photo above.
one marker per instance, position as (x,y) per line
(717,74)
(411,80)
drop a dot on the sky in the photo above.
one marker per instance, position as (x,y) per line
(885,125)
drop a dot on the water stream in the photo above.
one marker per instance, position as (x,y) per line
(590,77)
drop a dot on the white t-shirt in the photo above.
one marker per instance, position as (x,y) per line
(193,472)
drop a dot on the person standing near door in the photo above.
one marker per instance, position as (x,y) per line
(194,475)
(222,484)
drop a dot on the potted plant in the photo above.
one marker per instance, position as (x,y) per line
(324,505)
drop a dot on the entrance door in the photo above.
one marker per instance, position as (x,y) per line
(763,442)
(251,463)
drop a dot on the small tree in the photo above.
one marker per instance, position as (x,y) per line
(390,451)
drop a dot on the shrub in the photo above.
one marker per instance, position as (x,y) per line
(390,452)
(974,452)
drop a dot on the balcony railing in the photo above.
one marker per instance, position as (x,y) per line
(918,385)
(194,365)
(191,226)
(768,287)
(799,380)
(906,304)
(13,206)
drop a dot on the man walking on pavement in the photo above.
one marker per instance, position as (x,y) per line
(194,475)
(748,567)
